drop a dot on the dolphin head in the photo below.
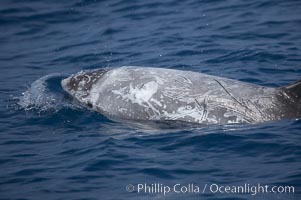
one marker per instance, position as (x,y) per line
(79,85)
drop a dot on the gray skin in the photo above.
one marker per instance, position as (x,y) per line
(145,93)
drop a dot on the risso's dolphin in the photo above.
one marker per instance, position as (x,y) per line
(145,93)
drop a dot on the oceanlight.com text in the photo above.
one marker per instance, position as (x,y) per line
(193,188)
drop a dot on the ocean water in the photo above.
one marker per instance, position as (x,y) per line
(52,148)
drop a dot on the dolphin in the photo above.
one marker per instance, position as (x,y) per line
(158,94)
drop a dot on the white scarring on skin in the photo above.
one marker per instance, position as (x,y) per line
(164,94)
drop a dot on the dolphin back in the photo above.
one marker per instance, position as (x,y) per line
(292,98)
(146,93)
(294,90)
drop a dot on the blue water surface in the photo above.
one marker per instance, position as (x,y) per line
(52,148)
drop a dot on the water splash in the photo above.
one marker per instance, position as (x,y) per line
(46,95)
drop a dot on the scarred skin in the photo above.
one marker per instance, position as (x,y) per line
(144,93)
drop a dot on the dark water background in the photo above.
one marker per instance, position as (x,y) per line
(51,148)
